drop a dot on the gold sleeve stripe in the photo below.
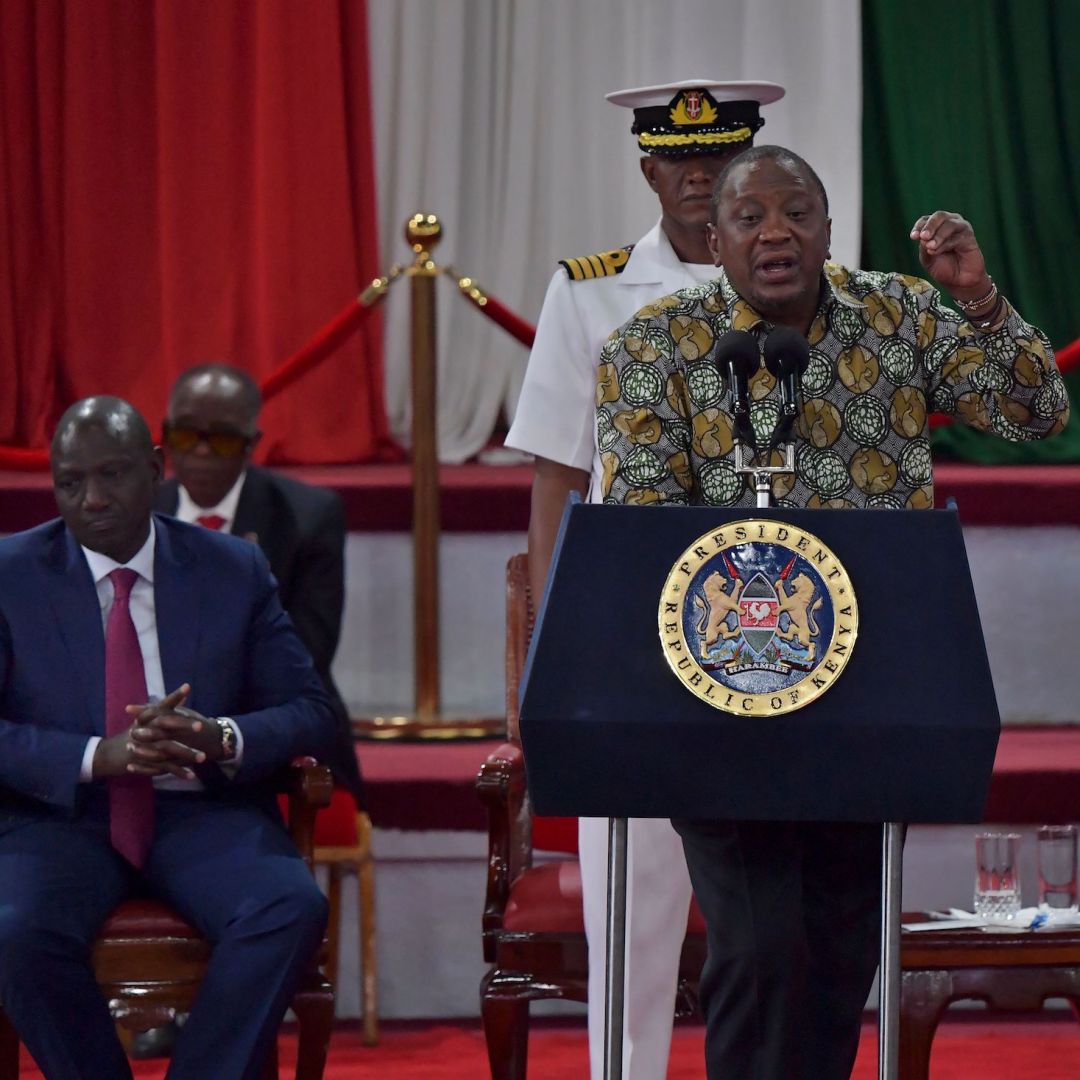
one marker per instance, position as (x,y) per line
(603,264)
(646,139)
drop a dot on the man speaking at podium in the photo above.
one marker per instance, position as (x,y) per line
(793,910)
(687,131)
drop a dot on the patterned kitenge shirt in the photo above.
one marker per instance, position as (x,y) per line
(884,353)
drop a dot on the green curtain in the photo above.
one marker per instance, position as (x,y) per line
(974,106)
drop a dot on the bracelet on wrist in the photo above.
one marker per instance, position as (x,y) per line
(984,322)
(967,306)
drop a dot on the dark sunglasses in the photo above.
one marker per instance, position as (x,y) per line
(225,444)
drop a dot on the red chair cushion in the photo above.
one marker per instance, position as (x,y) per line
(146,918)
(555,834)
(547,899)
(335,825)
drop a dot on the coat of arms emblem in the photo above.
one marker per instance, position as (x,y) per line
(758,618)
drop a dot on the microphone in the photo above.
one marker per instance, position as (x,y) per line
(786,357)
(737,351)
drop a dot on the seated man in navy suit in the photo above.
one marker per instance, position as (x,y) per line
(210,431)
(150,687)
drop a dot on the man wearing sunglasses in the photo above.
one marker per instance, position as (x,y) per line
(210,432)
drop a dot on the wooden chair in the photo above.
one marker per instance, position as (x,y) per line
(343,846)
(533,928)
(149,962)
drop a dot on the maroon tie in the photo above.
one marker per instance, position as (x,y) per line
(131,798)
(210,521)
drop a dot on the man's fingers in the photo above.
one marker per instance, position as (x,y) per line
(918,227)
(148,712)
(177,697)
(172,722)
(928,225)
(952,235)
(166,767)
(937,226)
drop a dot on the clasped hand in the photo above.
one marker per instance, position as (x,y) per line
(164,738)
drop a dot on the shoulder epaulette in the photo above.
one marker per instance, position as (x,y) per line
(604,264)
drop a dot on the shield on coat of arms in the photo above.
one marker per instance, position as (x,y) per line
(693,104)
(759,613)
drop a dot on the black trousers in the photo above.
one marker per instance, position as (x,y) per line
(793,917)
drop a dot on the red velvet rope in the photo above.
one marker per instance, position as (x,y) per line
(513,324)
(317,349)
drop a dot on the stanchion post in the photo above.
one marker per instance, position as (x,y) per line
(423,232)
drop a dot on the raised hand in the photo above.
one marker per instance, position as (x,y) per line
(951,254)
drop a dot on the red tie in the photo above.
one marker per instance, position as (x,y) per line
(210,521)
(131,798)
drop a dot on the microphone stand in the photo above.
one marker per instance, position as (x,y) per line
(892,832)
(763,474)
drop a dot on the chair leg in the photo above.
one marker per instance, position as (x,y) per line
(9,1049)
(368,964)
(506,1031)
(314,1010)
(333,924)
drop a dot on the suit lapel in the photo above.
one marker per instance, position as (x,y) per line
(177,601)
(253,508)
(75,608)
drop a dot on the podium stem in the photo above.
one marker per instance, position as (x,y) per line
(892,864)
(615,953)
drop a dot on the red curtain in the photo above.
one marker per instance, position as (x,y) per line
(180,182)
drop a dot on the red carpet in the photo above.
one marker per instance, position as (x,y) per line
(963,1049)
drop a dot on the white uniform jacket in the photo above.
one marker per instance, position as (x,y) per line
(556,413)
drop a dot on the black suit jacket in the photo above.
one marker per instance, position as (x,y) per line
(301,530)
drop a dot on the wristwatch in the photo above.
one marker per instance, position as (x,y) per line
(227,730)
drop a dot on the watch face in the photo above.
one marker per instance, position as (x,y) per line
(228,740)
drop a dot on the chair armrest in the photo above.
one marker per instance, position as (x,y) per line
(501,787)
(308,786)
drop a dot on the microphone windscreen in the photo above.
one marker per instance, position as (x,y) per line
(786,352)
(739,349)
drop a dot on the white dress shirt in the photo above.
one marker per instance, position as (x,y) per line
(188,510)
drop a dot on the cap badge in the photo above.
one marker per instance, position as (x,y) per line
(693,107)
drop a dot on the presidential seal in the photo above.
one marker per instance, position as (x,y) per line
(758,618)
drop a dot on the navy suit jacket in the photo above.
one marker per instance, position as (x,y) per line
(301,530)
(220,628)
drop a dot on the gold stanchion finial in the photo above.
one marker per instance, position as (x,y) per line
(423,231)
